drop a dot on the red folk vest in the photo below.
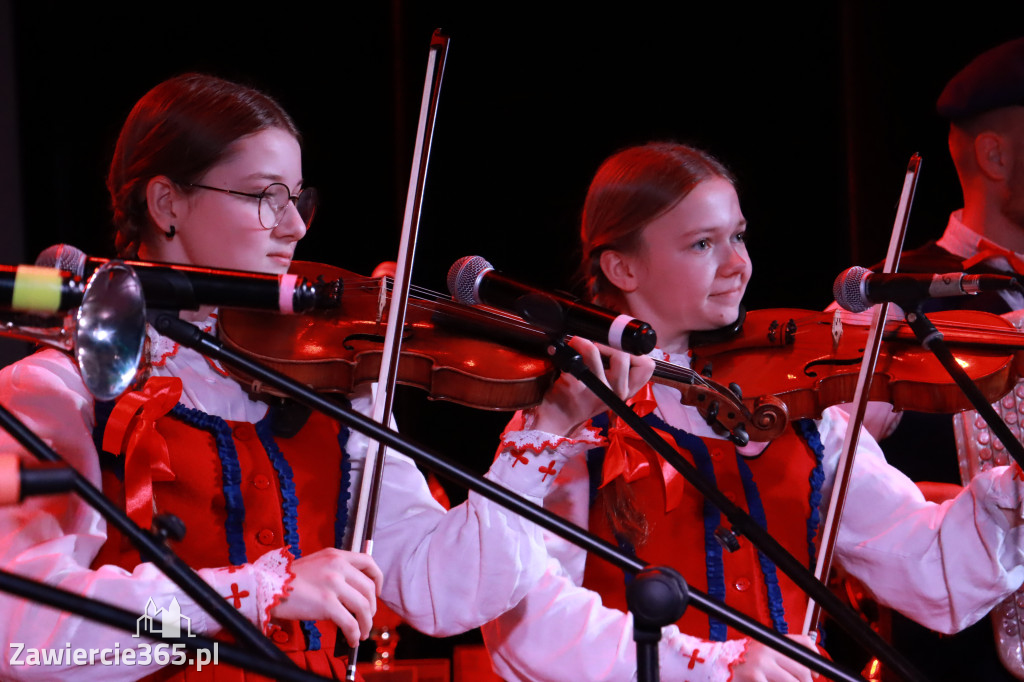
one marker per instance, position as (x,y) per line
(242,492)
(781,482)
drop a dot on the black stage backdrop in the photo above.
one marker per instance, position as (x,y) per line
(816,106)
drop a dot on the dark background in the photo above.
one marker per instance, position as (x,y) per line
(817,107)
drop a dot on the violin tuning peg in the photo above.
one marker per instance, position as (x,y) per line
(735,389)
(739,436)
(706,370)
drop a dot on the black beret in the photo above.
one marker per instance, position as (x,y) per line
(993,80)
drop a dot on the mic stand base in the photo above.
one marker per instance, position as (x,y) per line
(657,596)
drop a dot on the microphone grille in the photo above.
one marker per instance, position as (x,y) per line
(63,257)
(462,278)
(847,289)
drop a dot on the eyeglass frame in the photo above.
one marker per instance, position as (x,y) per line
(293,198)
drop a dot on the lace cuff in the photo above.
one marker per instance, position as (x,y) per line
(520,437)
(528,460)
(693,658)
(731,653)
(274,576)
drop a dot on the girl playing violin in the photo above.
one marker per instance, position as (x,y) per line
(208,172)
(664,240)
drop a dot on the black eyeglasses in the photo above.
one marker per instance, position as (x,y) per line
(273,201)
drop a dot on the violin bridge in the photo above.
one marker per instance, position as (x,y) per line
(382,299)
(837,328)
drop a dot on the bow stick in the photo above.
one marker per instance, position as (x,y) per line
(373,469)
(844,469)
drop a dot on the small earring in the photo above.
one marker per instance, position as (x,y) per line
(170,233)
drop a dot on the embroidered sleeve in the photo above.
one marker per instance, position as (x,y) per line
(273,582)
(699,659)
(528,461)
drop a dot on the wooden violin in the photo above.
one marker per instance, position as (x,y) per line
(467,355)
(810,360)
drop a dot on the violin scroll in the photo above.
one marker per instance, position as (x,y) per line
(725,412)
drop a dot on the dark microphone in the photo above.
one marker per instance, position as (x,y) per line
(857,289)
(186,287)
(472,281)
(17,482)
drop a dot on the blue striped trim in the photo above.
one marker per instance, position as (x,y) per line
(595,456)
(712,518)
(231,475)
(289,510)
(809,431)
(776,609)
(344,494)
(717,630)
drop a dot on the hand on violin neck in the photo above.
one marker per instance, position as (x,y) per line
(569,403)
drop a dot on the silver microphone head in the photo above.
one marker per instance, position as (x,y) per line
(463,277)
(63,257)
(848,289)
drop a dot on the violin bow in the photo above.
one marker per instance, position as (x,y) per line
(844,469)
(373,469)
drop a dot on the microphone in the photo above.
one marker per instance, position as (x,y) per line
(17,483)
(856,289)
(35,289)
(186,287)
(472,281)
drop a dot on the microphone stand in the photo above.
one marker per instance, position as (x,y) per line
(151,547)
(931,338)
(568,360)
(192,337)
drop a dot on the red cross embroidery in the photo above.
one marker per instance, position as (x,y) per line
(549,469)
(518,458)
(694,659)
(236,595)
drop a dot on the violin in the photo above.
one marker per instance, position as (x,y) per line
(337,350)
(468,355)
(810,360)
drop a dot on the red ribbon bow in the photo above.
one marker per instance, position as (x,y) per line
(131,431)
(627,455)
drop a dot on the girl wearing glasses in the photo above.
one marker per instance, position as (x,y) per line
(664,240)
(209,173)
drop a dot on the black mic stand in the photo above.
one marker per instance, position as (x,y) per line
(192,337)
(568,360)
(151,547)
(931,338)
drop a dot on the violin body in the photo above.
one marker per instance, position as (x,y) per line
(796,356)
(337,350)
